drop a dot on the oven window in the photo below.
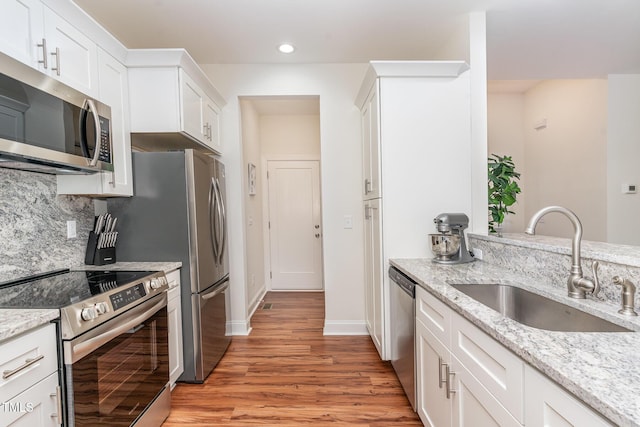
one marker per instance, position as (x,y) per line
(115,383)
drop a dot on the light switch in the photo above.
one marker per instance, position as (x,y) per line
(348,221)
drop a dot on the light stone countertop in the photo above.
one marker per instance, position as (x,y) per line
(602,369)
(16,321)
(165,266)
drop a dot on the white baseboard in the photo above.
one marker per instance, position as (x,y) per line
(239,327)
(345,327)
(253,306)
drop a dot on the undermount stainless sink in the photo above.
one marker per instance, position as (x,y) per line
(535,310)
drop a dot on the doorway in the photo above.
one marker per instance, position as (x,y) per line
(281,132)
(295,235)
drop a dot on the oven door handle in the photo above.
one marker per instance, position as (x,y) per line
(78,351)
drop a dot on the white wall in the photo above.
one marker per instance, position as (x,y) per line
(507,138)
(288,135)
(255,270)
(623,158)
(336,85)
(565,161)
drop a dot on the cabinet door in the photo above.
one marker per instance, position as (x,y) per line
(500,371)
(473,405)
(72,55)
(548,405)
(212,126)
(38,406)
(433,405)
(21,30)
(192,107)
(174,313)
(374,310)
(371,146)
(114,91)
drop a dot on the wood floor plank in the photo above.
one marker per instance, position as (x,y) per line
(286,373)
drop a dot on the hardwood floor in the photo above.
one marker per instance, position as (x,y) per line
(287,373)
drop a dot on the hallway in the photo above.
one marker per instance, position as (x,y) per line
(287,373)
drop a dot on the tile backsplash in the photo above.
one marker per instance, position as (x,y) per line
(33,225)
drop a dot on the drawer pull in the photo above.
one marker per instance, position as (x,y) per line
(25,365)
(58,396)
(449,375)
(440,365)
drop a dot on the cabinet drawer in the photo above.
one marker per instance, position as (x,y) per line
(27,359)
(36,406)
(434,314)
(551,406)
(500,371)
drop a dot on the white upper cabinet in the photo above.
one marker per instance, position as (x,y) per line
(22,30)
(114,91)
(73,57)
(371,146)
(35,35)
(173,105)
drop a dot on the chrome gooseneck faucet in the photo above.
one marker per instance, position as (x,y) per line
(577,284)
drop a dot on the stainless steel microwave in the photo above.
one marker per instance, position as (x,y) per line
(48,127)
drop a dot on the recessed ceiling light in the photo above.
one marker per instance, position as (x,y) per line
(286,48)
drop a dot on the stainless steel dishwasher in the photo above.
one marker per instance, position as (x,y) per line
(403,315)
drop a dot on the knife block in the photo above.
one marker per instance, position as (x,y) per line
(98,256)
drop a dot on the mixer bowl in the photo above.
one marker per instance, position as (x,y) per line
(445,246)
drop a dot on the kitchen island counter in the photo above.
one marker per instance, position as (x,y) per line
(601,368)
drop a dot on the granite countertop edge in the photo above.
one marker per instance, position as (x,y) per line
(601,369)
(14,322)
(166,266)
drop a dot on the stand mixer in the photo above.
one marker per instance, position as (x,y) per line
(449,246)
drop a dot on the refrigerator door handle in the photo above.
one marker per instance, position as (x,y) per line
(217,291)
(223,222)
(212,201)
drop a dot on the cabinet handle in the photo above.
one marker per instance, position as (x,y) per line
(367,212)
(210,131)
(367,186)
(44,61)
(449,375)
(25,365)
(317,235)
(57,67)
(440,365)
(58,396)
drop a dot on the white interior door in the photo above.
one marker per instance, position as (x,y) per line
(295,231)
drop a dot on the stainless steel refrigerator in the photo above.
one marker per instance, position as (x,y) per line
(178,213)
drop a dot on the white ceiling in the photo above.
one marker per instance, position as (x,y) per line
(526,39)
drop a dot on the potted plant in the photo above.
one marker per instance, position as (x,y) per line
(503,189)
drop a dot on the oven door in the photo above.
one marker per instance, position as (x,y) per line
(115,371)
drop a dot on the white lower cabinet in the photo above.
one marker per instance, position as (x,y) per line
(174,313)
(29,388)
(38,406)
(433,406)
(549,405)
(466,378)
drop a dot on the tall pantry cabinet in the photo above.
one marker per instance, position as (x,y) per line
(416,129)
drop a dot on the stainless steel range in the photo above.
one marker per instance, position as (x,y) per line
(114,341)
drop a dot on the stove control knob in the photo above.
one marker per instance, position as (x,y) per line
(156,283)
(89,313)
(101,308)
